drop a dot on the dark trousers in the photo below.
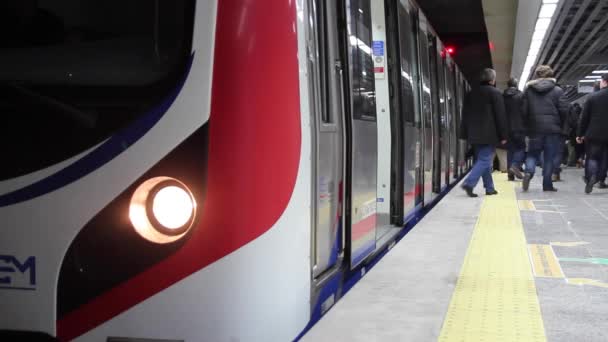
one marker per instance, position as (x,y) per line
(516,150)
(579,151)
(597,160)
(548,145)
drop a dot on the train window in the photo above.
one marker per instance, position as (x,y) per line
(323,63)
(409,66)
(72,73)
(363,79)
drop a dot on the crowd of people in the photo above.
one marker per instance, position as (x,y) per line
(537,128)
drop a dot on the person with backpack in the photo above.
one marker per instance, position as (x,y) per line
(516,147)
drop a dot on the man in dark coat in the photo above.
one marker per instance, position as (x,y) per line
(484,126)
(517,135)
(593,130)
(545,112)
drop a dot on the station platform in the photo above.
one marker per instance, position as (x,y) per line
(518,266)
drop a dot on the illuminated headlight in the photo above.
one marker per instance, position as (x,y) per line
(162,209)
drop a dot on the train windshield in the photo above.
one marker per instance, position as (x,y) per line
(73,72)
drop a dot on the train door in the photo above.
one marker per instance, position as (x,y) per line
(390,133)
(426,111)
(405,111)
(362,129)
(325,92)
(452,128)
(439,113)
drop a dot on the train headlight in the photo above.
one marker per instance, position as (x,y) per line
(162,209)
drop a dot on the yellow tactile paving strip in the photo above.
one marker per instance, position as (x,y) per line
(544,262)
(495,298)
(526,205)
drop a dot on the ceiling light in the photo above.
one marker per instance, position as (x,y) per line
(600,72)
(587,81)
(547,10)
(539,35)
(542,24)
(594,77)
(550,1)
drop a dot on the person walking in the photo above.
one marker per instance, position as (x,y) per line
(516,147)
(484,126)
(592,130)
(545,113)
(573,118)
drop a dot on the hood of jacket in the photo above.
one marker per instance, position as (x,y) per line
(512,91)
(542,85)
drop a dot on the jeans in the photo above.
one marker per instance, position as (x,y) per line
(559,155)
(516,150)
(548,144)
(482,168)
(597,163)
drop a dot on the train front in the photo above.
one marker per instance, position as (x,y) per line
(135,180)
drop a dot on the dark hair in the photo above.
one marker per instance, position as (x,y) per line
(513,82)
(605,77)
(543,71)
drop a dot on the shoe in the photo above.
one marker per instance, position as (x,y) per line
(556,177)
(590,184)
(602,185)
(491,192)
(511,178)
(550,190)
(517,172)
(526,183)
(469,191)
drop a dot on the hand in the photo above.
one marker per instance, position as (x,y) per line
(503,142)
(580,140)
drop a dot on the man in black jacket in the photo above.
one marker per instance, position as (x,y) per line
(517,135)
(545,112)
(593,130)
(484,126)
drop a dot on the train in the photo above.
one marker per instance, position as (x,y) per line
(184,170)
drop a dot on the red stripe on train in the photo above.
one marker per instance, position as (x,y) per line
(254,152)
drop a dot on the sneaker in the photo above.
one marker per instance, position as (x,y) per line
(556,177)
(590,184)
(550,190)
(491,192)
(526,183)
(602,185)
(469,191)
(517,172)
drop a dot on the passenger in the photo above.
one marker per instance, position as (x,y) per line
(573,118)
(592,130)
(545,111)
(603,171)
(484,126)
(516,147)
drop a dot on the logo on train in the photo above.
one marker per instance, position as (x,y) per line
(17,274)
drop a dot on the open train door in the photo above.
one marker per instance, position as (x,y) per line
(361,130)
